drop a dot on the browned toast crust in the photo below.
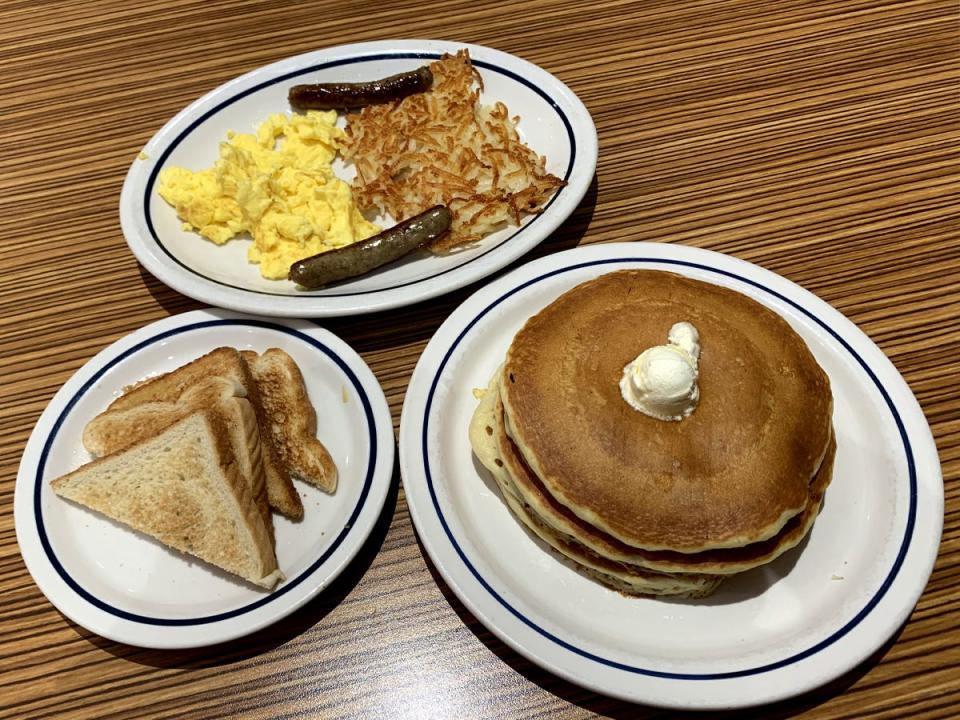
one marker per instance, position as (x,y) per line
(293,418)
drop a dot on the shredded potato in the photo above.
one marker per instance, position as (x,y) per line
(443,147)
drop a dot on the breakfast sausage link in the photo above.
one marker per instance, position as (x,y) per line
(338,96)
(366,255)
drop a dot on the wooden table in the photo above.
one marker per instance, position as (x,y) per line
(816,139)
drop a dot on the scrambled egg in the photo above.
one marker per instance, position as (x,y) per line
(284,194)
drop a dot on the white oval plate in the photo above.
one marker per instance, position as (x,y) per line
(129,588)
(771,633)
(553,122)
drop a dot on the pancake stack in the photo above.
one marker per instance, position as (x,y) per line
(647,506)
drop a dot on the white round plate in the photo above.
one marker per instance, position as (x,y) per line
(767,634)
(129,588)
(553,122)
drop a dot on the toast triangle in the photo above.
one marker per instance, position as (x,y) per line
(115,430)
(184,488)
(222,362)
(293,420)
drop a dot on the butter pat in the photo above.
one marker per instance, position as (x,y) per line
(662,381)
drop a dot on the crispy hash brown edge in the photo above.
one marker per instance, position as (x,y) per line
(443,147)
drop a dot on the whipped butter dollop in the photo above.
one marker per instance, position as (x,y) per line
(662,381)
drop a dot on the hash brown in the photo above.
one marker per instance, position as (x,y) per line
(442,147)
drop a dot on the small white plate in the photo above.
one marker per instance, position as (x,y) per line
(765,635)
(553,122)
(129,588)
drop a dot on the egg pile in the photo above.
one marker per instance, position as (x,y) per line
(276,185)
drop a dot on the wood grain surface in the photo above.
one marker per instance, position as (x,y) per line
(817,139)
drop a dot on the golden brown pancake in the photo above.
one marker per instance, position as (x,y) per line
(627,579)
(529,490)
(732,473)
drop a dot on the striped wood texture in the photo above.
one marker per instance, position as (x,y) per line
(817,139)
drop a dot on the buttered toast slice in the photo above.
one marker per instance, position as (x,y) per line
(115,430)
(227,363)
(293,420)
(184,488)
